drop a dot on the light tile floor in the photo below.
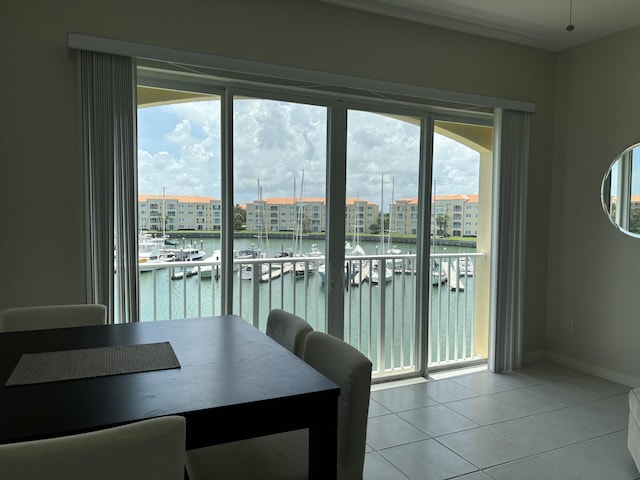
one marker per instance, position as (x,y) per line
(544,422)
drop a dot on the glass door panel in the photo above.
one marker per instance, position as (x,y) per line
(460,240)
(280,187)
(381,224)
(179,204)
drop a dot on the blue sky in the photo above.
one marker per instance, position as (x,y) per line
(275,142)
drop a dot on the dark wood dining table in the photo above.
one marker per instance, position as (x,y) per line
(234,382)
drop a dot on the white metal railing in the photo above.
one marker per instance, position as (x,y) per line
(380,302)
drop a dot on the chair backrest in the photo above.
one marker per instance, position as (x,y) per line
(345,366)
(152,448)
(52,316)
(288,330)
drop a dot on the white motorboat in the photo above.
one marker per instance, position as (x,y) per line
(206,271)
(465,267)
(351,265)
(397,265)
(376,276)
(146,260)
(186,253)
(301,268)
(150,252)
(247,270)
(212,268)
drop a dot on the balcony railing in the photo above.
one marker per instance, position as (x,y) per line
(380,302)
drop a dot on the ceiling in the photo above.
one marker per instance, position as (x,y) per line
(537,23)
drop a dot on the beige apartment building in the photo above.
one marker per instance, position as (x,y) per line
(285,214)
(178,212)
(456,215)
(451,215)
(307,215)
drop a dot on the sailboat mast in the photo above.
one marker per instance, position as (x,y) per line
(261,225)
(356,222)
(164,216)
(390,210)
(301,214)
(382,215)
(296,209)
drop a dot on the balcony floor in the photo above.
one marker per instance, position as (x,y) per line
(542,422)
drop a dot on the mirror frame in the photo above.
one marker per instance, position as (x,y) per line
(623,167)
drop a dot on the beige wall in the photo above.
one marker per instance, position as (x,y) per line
(594,301)
(41,189)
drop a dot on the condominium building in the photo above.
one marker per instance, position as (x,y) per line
(360,215)
(307,215)
(287,214)
(455,215)
(403,217)
(451,215)
(178,212)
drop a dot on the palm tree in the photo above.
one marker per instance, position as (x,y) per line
(441,221)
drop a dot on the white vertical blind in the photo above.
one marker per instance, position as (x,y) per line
(510,185)
(108,106)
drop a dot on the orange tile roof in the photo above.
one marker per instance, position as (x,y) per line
(466,197)
(289,200)
(469,197)
(353,201)
(457,196)
(179,198)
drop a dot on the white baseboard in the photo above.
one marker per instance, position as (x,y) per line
(591,369)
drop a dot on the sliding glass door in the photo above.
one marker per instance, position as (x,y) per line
(371,221)
(381,226)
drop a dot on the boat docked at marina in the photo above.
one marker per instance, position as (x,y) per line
(211,268)
(185,253)
(247,269)
(147,260)
(351,263)
(150,252)
(464,266)
(378,276)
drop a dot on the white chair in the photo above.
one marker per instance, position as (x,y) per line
(288,330)
(284,456)
(52,316)
(146,449)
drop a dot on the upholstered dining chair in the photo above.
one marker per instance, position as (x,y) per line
(288,330)
(146,449)
(52,316)
(284,456)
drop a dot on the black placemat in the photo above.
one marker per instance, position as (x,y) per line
(63,365)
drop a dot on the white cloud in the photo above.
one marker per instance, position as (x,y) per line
(455,167)
(274,142)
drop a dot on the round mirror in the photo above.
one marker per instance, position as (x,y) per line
(621,191)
